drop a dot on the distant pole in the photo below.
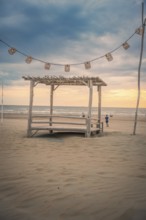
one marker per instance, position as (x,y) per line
(2,103)
(139,69)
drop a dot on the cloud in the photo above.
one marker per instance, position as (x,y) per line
(68,32)
(35,24)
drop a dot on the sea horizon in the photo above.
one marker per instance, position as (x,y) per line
(72,110)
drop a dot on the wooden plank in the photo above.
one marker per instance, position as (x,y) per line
(57,122)
(58,116)
(71,129)
(58,128)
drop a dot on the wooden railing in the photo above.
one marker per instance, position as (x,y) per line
(62,122)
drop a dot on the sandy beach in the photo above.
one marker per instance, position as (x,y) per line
(70,177)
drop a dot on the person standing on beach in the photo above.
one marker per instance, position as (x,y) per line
(107,120)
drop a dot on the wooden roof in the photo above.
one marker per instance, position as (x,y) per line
(76,81)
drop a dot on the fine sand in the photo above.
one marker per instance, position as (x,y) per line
(70,177)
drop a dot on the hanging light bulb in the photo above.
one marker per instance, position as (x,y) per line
(11,51)
(109,57)
(47,66)
(139,31)
(125,45)
(28,60)
(67,68)
(87,65)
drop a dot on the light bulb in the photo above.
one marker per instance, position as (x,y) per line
(12,51)
(87,65)
(28,60)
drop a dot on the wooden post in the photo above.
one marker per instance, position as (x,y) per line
(51,105)
(51,99)
(30,109)
(99,105)
(89,109)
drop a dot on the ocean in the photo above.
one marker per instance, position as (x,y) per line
(72,110)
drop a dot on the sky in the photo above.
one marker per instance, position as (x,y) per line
(72,32)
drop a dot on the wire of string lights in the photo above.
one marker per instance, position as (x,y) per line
(87,64)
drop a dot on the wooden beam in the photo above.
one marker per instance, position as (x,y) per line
(76,81)
(30,109)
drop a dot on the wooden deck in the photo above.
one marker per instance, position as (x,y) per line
(66,129)
(55,123)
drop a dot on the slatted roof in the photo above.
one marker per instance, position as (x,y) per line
(60,80)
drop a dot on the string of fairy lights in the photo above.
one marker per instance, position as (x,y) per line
(87,64)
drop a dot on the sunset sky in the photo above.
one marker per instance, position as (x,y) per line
(72,32)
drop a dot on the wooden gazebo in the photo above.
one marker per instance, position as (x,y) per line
(64,123)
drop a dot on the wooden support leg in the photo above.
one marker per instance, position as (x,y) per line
(88,133)
(51,106)
(29,132)
(99,107)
